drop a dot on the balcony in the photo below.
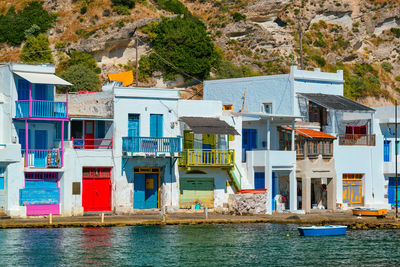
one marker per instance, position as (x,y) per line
(86,143)
(41,109)
(207,158)
(43,158)
(151,145)
(356,139)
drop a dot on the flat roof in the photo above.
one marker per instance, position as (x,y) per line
(336,102)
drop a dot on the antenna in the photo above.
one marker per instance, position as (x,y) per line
(243,100)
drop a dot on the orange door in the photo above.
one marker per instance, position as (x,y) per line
(89,135)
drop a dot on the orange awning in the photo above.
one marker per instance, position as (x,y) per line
(125,77)
(309,133)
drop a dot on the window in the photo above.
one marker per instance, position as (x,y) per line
(267,108)
(386,151)
(227,107)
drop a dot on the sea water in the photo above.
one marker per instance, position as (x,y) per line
(200,245)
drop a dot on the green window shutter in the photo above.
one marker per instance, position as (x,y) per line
(188,140)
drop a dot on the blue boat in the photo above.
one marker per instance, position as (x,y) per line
(326,230)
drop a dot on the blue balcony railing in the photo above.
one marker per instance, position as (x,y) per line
(43,158)
(41,109)
(151,144)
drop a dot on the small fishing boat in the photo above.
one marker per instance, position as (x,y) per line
(368,212)
(326,230)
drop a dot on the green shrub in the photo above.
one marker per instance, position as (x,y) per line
(82,78)
(319,60)
(183,43)
(83,10)
(37,50)
(122,10)
(227,69)
(386,66)
(13,25)
(397,78)
(319,43)
(174,6)
(80,58)
(396,32)
(126,3)
(238,16)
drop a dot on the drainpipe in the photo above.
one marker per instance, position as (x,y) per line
(30,99)
(268,134)
(293,133)
(26,143)
(62,143)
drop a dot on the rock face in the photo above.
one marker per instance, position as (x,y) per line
(249,203)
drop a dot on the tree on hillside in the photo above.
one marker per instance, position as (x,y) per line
(182,42)
(82,78)
(37,50)
(80,58)
(14,24)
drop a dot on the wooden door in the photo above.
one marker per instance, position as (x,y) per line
(96,189)
(89,135)
(352,189)
(196,191)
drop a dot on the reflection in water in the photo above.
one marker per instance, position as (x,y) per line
(206,245)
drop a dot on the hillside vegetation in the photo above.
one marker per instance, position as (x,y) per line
(198,39)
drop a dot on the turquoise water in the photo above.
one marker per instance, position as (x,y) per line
(205,245)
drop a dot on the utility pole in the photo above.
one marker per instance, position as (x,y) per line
(300,42)
(137,61)
(396,152)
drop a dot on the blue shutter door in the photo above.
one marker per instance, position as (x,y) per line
(386,151)
(151,183)
(21,136)
(249,141)
(133,125)
(23,89)
(139,194)
(2,189)
(156,125)
(40,143)
(101,129)
(392,191)
(259,180)
(40,92)
(274,189)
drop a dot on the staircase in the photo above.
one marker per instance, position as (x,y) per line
(236,178)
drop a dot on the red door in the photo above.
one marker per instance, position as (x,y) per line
(89,134)
(96,189)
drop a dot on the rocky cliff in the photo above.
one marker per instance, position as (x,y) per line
(354,35)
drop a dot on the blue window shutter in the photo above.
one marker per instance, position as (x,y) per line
(133,125)
(40,91)
(21,136)
(101,129)
(23,89)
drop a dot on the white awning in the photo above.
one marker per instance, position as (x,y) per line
(42,78)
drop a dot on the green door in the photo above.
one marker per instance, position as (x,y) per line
(196,191)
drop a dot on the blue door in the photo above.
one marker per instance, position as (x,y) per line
(151,198)
(134,131)
(40,156)
(23,89)
(40,92)
(386,151)
(21,137)
(274,189)
(138,202)
(249,141)
(156,125)
(2,190)
(259,180)
(392,191)
(146,191)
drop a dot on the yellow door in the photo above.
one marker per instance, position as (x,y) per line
(352,189)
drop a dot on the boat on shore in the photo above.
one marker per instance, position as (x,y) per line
(370,212)
(326,230)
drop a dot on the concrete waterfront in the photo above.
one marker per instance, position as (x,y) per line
(186,218)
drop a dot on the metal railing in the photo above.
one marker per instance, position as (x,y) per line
(151,144)
(87,143)
(356,139)
(208,158)
(41,109)
(43,158)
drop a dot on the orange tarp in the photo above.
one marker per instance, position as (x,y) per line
(311,133)
(125,77)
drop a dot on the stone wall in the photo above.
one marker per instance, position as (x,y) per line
(249,203)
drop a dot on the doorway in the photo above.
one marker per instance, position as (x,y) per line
(89,135)
(146,188)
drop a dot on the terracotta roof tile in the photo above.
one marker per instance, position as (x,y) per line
(309,133)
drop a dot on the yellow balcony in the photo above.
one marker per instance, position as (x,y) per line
(207,158)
